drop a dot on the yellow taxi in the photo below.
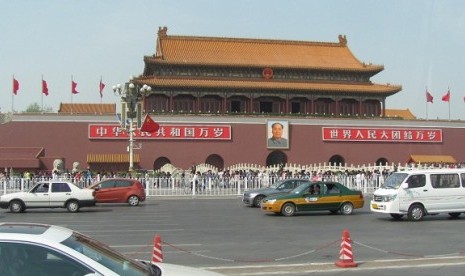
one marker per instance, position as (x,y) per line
(315,196)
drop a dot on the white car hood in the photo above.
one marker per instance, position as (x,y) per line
(7,197)
(385,192)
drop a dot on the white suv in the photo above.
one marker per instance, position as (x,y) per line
(50,194)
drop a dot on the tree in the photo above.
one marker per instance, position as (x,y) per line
(35,108)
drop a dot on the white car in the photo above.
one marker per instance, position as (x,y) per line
(49,194)
(40,249)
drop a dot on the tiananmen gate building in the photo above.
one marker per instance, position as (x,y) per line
(216,100)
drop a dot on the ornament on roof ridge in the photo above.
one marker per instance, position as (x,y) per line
(342,40)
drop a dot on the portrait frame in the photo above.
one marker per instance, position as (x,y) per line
(280,142)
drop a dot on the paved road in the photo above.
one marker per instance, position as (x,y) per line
(223,235)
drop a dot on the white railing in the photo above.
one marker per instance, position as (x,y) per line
(207,186)
(240,178)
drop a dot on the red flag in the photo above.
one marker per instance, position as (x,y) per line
(44,88)
(73,87)
(149,125)
(429,97)
(15,86)
(446,97)
(101,86)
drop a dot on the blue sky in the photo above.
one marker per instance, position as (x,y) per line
(419,42)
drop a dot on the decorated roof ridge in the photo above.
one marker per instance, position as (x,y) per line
(367,67)
(256,40)
(163,34)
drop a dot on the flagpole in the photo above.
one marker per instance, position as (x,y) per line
(100,89)
(72,94)
(426,102)
(42,94)
(13,95)
(448,91)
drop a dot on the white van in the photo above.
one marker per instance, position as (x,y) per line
(417,193)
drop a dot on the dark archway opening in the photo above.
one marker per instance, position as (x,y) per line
(336,160)
(215,160)
(160,162)
(382,162)
(276,157)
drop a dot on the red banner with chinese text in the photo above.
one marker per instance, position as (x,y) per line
(396,135)
(170,132)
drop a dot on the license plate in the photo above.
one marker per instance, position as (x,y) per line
(374,206)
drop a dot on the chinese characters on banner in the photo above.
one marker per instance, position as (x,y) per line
(172,132)
(398,135)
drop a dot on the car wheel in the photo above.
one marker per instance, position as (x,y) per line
(347,208)
(454,215)
(257,200)
(416,212)
(72,206)
(288,210)
(16,206)
(133,200)
(396,216)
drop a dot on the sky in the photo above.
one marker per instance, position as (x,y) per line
(420,43)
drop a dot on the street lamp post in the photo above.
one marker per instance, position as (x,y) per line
(131,97)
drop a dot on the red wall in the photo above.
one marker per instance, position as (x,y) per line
(69,140)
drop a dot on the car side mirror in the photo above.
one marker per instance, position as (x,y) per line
(404,186)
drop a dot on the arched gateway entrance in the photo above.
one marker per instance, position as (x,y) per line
(276,157)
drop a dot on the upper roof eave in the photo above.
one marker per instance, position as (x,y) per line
(387,89)
(366,67)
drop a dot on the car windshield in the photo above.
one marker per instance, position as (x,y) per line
(104,255)
(300,189)
(276,184)
(394,180)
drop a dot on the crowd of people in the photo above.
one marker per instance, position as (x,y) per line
(225,178)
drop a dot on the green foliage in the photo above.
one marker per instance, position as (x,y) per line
(36,108)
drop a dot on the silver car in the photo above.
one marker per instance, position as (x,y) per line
(254,197)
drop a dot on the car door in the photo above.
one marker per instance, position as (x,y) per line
(417,191)
(106,191)
(122,188)
(448,195)
(330,197)
(59,194)
(39,196)
(310,200)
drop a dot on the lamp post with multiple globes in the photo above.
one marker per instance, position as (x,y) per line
(131,99)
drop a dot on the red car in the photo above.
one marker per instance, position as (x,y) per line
(119,190)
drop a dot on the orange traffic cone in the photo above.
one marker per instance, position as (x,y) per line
(157,255)
(346,258)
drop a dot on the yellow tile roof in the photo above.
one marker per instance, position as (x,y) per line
(400,113)
(417,158)
(190,50)
(87,108)
(111,158)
